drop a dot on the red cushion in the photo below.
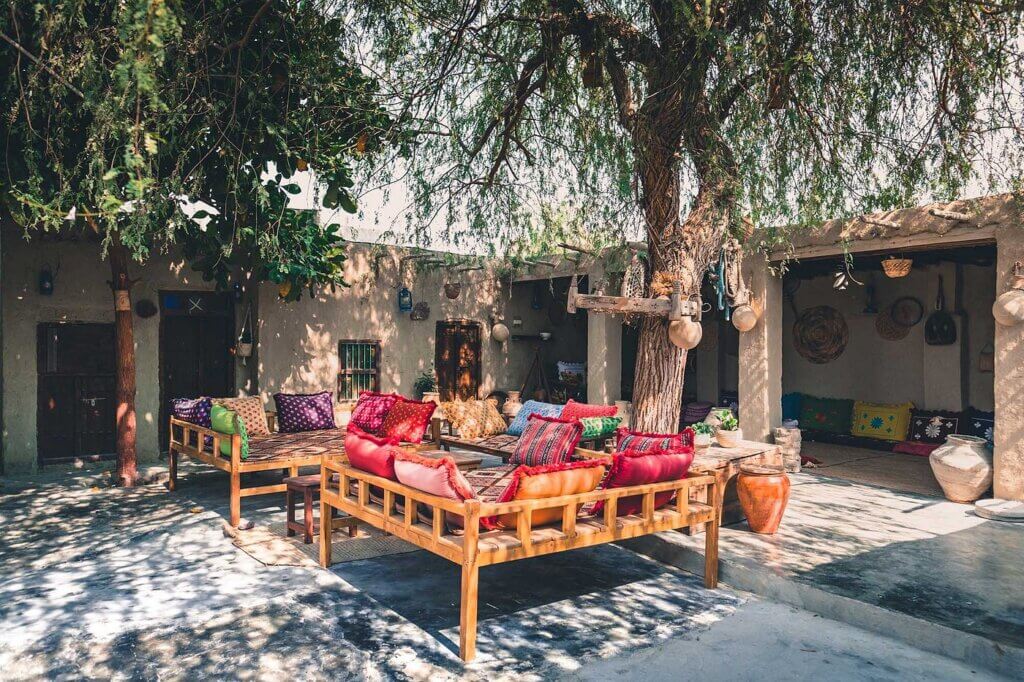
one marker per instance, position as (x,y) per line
(575,410)
(546,440)
(370,453)
(627,439)
(371,408)
(407,420)
(637,467)
(913,448)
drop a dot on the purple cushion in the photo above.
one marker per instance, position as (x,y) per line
(304,412)
(193,410)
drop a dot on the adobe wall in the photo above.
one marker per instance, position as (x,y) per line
(1009,377)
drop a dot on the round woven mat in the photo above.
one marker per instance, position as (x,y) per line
(888,328)
(820,334)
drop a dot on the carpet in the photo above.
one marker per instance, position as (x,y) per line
(271,547)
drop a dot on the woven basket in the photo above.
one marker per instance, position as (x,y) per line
(897,267)
(820,334)
(888,328)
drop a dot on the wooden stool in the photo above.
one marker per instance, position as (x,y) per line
(309,487)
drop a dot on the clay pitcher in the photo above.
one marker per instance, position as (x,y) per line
(764,492)
(963,467)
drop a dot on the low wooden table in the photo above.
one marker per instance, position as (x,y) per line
(726,462)
(464,461)
(309,487)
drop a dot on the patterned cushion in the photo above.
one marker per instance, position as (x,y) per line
(304,411)
(884,421)
(407,420)
(637,467)
(575,410)
(599,427)
(932,427)
(473,418)
(193,410)
(435,476)
(489,484)
(518,424)
(696,412)
(371,408)
(826,414)
(368,452)
(792,403)
(909,447)
(542,482)
(228,422)
(979,423)
(546,440)
(249,410)
(644,442)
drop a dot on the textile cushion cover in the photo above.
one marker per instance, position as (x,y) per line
(371,408)
(826,414)
(637,467)
(304,411)
(518,424)
(440,477)
(575,410)
(473,418)
(543,482)
(370,453)
(932,427)
(696,412)
(791,405)
(407,420)
(884,421)
(546,440)
(223,420)
(909,447)
(599,427)
(193,410)
(250,410)
(643,442)
(978,423)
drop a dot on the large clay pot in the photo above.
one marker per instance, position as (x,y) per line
(963,467)
(764,492)
(512,405)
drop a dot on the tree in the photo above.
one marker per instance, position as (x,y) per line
(160,123)
(685,115)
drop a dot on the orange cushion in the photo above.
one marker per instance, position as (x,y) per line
(554,480)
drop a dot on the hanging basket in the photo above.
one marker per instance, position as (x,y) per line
(820,334)
(895,268)
(452,290)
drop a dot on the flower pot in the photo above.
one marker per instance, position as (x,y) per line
(512,405)
(702,440)
(729,439)
(764,493)
(963,467)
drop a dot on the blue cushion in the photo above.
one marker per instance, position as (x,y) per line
(791,405)
(532,407)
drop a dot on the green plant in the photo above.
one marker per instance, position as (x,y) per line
(425,382)
(729,421)
(703,429)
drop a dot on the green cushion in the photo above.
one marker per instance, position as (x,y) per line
(223,420)
(599,427)
(834,415)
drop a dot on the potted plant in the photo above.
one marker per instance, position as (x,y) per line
(729,432)
(703,433)
(425,383)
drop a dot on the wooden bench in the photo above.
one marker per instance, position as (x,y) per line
(349,491)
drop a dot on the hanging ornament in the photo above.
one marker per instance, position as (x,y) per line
(685,333)
(404,300)
(452,289)
(895,268)
(744,318)
(1009,307)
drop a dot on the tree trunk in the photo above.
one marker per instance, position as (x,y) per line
(127,469)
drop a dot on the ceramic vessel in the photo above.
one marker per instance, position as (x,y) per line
(729,439)
(963,467)
(701,440)
(764,493)
(744,318)
(685,333)
(512,405)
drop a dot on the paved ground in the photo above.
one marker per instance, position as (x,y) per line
(143,584)
(909,473)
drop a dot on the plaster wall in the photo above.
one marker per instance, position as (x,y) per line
(1008,482)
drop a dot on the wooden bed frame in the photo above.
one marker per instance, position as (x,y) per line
(476,548)
(447,442)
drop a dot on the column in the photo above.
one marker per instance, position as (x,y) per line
(760,370)
(1008,474)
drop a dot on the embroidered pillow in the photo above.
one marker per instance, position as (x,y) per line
(518,424)
(932,427)
(368,452)
(249,410)
(575,410)
(304,411)
(637,467)
(543,482)
(599,427)
(980,424)
(644,442)
(194,411)
(546,440)
(884,421)
(826,414)
(223,420)
(371,408)
(407,420)
(473,418)
(696,412)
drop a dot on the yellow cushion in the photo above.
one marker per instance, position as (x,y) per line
(884,421)
(556,480)
(473,418)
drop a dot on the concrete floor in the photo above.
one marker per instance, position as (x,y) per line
(143,584)
(909,473)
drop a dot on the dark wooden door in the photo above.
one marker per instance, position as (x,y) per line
(457,359)
(75,411)
(196,337)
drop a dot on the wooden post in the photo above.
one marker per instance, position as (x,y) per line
(711,536)
(470,582)
(124,346)
(325,531)
(236,480)
(172,469)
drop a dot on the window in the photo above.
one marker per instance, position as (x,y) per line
(360,369)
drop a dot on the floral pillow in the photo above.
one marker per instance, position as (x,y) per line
(980,424)
(407,420)
(826,414)
(249,410)
(304,412)
(473,418)
(884,421)
(932,427)
(371,408)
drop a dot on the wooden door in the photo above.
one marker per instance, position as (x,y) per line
(75,411)
(457,359)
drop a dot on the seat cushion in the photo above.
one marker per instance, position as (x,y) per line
(304,411)
(932,427)
(371,408)
(193,410)
(546,440)
(575,410)
(223,420)
(978,423)
(473,418)
(407,420)
(531,407)
(371,453)
(599,427)
(627,439)
(885,421)
(250,410)
(826,414)
(792,403)
(544,482)
(638,467)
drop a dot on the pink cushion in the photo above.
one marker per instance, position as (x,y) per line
(546,440)
(407,420)
(575,410)
(435,476)
(370,453)
(627,439)
(637,467)
(371,408)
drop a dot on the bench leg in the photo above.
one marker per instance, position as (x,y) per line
(711,535)
(172,479)
(236,498)
(325,534)
(289,512)
(307,513)
(467,616)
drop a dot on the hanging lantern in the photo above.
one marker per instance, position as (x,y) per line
(1009,307)
(404,300)
(744,318)
(685,333)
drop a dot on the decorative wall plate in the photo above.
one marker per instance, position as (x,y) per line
(820,334)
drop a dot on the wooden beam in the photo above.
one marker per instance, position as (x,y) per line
(923,241)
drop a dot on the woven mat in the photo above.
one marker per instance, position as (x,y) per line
(270,546)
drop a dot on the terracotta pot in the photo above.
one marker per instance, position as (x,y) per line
(763,492)
(963,467)
(512,405)
(702,440)
(729,439)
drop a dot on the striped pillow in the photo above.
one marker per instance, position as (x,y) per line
(642,442)
(546,440)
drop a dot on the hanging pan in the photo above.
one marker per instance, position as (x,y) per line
(939,328)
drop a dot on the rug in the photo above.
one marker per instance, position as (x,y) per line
(271,547)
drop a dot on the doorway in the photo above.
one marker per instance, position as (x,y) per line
(196,337)
(75,408)
(457,359)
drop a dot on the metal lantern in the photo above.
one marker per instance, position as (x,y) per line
(404,300)
(1009,307)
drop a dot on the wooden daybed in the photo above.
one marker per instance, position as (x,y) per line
(501,445)
(348,489)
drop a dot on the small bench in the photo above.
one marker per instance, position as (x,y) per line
(309,488)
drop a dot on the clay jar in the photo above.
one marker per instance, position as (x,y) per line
(963,467)
(764,492)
